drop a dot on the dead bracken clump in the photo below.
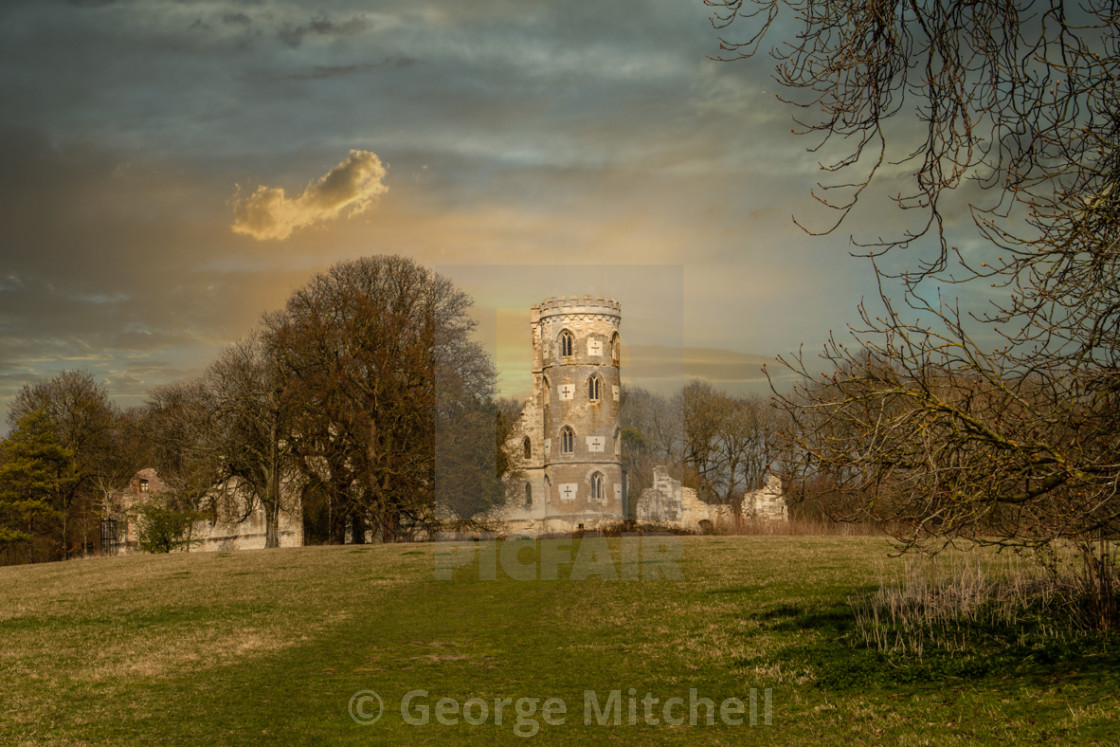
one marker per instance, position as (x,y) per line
(799,526)
(955,602)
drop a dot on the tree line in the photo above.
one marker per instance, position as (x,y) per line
(719,444)
(364,396)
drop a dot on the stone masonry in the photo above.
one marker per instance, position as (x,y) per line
(237,523)
(567,440)
(669,504)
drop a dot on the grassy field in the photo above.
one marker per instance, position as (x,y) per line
(273,646)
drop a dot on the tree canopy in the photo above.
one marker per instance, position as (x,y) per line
(377,360)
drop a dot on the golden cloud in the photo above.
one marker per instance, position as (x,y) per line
(351,187)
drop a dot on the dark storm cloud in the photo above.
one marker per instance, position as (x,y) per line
(323,26)
(518,131)
(555,82)
(322,72)
(326,72)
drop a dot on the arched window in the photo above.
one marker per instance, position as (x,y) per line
(597,486)
(594,384)
(528,495)
(567,343)
(527,447)
(547,489)
(614,349)
(546,388)
(567,440)
(617,444)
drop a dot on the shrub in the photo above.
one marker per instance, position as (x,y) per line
(164,528)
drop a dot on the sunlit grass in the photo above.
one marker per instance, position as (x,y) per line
(252,647)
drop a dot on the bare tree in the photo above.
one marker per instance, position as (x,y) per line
(252,428)
(651,436)
(745,447)
(375,349)
(1008,112)
(728,442)
(700,406)
(178,426)
(723,445)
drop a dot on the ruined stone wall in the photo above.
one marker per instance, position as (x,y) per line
(233,527)
(669,504)
(766,503)
(527,501)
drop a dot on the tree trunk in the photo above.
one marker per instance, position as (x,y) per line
(357,528)
(272,486)
(271,505)
(390,525)
(337,521)
(271,524)
(65,530)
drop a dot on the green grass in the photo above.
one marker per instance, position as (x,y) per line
(269,647)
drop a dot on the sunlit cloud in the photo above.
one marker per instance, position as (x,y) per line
(349,188)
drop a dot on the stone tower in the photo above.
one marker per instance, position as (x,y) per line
(569,441)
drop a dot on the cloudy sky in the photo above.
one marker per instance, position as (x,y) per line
(174,169)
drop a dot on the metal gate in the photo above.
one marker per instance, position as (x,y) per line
(109,541)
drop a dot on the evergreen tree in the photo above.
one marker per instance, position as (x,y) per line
(36,474)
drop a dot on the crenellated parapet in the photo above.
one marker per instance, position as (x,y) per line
(578,305)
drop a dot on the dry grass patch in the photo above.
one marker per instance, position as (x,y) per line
(244,648)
